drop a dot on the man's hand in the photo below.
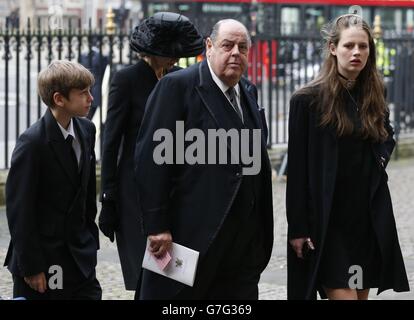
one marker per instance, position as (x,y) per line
(37,282)
(297,245)
(109,219)
(160,243)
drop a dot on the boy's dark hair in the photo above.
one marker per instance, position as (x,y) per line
(62,76)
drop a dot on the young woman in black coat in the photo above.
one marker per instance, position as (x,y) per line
(342,237)
(159,40)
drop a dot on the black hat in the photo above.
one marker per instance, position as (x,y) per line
(167,34)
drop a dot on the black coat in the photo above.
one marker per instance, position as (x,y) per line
(312,168)
(191,201)
(130,88)
(48,210)
(129,91)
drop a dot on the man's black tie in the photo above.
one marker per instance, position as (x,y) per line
(73,158)
(232,96)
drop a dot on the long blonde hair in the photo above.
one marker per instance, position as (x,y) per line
(330,102)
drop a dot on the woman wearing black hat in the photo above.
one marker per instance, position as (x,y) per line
(160,41)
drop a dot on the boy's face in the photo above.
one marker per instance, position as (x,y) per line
(78,103)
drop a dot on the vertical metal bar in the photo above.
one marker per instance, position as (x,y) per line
(290,93)
(313,58)
(111,52)
(6,105)
(49,46)
(121,45)
(129,48)
(398,77)
(260,69)
(111,49)
(303,61)
(39,66)
(277,89)
(285,74)
(18,41)
(28,57)
(90,45)
(70,40)
(60,46)
(100,37)
(251,67)
(270,90)
(79,40)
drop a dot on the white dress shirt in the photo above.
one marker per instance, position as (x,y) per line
(223,87)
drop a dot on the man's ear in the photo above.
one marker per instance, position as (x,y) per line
(58,99)
(209,44)
(332,49)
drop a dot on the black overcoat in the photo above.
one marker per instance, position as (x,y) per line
(191,201)
(129,91)
(48,210)
(312,154)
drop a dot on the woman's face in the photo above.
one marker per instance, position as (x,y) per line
(351,52)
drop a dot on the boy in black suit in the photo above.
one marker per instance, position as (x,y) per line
(51,193)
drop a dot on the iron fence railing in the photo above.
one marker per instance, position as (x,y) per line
(277,66)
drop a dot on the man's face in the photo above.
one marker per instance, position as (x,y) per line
(228,54)
(78,103)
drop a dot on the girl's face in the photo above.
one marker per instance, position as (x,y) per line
(351,52)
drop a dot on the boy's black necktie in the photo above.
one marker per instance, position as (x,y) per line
(232,96)
(73,158)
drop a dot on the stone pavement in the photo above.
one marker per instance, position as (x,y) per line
(273,282)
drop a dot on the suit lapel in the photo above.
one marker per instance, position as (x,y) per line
(251,104)
(214,100)
(58,145)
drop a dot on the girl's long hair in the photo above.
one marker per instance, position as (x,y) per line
(330,91)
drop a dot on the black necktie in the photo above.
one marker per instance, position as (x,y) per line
(73,158)
(232,96)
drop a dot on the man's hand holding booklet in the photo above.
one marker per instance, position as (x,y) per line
(179,264)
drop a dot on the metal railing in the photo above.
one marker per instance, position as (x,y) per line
(277,66)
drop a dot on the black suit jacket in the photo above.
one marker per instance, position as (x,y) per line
(49,210)
(192,201)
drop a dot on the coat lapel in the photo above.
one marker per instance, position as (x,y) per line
(58,145)
(214,100)
(251,104)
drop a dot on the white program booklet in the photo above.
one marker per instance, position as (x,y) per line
(182,266)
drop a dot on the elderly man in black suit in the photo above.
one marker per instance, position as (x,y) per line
(223,209)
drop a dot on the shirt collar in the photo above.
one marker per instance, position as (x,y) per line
(223,87)
(69,131)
